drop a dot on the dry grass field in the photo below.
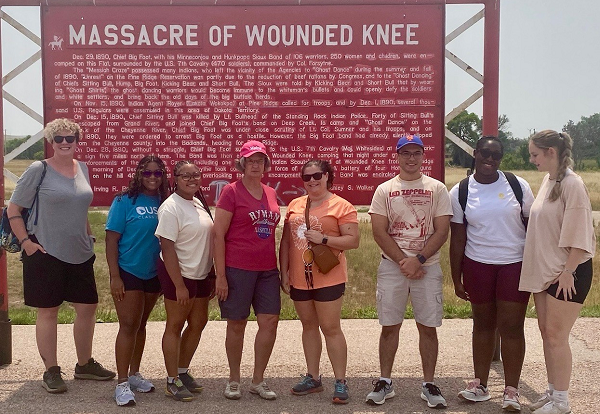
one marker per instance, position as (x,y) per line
(359,301)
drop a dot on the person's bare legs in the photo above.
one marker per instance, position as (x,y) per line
(329,314)
(129,311)
(234,345)
(311,335)
(388,345)
(46,335)
(263,344)
(511,321)
(140,339)
(196,321)
(483,339)
(83,330)
(428,348)
(176,316)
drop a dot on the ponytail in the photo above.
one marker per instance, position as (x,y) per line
(563,144)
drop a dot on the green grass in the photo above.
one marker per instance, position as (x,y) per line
(359,299)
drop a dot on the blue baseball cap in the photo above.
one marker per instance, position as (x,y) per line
(409,139)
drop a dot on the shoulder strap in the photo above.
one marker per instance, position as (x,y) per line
(306,215)
(36,199)
(517,190)
(463,193)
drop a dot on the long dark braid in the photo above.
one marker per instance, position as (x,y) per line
(562,142)
(135,186)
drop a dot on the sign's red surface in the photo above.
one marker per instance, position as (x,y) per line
(339,82)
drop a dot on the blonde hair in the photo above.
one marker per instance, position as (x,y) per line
(563,144)
(61,124)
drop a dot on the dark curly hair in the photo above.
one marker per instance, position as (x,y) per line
(135,184)
(324,166)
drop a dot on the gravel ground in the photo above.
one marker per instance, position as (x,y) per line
(20,390)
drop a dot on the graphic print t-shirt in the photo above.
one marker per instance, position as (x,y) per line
(136,222)
(410,207)
(250,240)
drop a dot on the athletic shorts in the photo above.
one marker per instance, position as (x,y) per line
(48,281)
(196,288)
(394,289)
(487,283)
(325,294)
(259,289)
(132,282)
(583,283)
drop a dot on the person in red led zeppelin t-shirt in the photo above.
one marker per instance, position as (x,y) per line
(246,217)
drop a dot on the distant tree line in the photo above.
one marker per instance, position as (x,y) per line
(467,126)
(35,152)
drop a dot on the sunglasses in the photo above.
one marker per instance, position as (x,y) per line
(317,176)
(486,153)
(59,139)
(156,173)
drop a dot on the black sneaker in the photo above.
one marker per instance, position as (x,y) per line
(190,383)
(178,391)
(93,371)
(307,385)
(340,393)
(53,382)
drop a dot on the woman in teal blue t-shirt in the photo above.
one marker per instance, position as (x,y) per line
(132,253)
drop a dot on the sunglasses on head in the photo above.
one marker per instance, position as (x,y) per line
(317,176)
(486,153)
(59,139)
(148,173)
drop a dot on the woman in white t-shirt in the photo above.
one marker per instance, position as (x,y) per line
(557,263)
(184,230)
(486,252)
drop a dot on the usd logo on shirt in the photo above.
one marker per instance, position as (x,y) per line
(145,211)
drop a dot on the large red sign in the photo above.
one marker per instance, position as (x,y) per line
(339,82)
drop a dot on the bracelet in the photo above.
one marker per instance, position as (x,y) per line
(24,240)
(573,272)
(15,217)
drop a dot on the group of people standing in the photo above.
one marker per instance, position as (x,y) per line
(504,245)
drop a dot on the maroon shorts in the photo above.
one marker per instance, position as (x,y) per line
(487,283)
(197,288)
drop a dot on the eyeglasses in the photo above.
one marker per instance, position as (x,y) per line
(317,176)
(148,173)
(259,161)
(407,154)
(308,257)
(59,139)
(188,177)
(486,153)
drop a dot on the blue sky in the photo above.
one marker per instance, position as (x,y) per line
(549,63)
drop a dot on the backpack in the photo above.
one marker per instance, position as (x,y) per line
(463,193)
(8,241)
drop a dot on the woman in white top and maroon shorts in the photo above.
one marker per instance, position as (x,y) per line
(557,265)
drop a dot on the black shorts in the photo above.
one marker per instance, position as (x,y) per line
(196,288)
(132,282)
(583,283)
(326,294)
(48,281)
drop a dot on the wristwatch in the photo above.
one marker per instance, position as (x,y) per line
(421,258)
(324,241)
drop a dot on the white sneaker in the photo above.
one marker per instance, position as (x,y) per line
(510,399)
(475,392)
(124,395)
(263,391)
(554,407)
(232,391)
(140,384)
(543,400)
